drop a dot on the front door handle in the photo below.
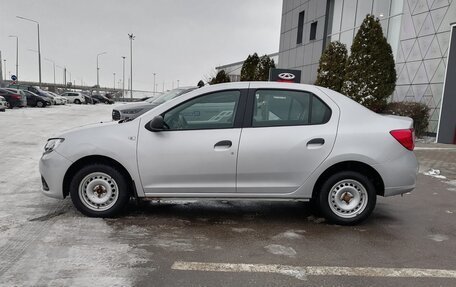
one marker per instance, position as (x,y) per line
(223,144)
(317,141)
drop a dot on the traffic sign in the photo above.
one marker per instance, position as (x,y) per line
(13,77)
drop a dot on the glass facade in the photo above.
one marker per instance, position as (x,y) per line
(345,17)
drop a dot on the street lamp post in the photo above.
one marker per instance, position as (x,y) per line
(17,54)
(4,66)
(114,74)
(53,63)
(98,69)
(154,84)
(123,77)
(178,83)
(39,48)
(63,71)
(131,37)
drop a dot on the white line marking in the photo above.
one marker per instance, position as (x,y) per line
(301,272)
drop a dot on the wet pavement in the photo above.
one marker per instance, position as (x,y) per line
(46,242)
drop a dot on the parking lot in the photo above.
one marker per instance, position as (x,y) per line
(408,241)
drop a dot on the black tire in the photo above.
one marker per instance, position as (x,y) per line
(77,102)
(348,181)
(40,104)
(122,190)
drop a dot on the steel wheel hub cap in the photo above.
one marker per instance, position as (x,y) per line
(348,198)
(98,191)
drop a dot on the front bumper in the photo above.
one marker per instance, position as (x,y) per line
(53,167)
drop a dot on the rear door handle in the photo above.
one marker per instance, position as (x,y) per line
(317,141)
(225,144)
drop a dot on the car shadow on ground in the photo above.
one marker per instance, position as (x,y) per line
(225,211)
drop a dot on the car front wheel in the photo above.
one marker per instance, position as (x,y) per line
(39,104)
(77,102)
(99,190)
(347,198)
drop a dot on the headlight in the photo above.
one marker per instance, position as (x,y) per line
(52,144)
(131,111)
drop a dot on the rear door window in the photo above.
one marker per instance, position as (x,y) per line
(288,108)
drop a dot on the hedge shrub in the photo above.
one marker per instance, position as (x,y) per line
(419,112)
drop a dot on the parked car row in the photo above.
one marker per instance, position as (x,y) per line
(134,110)
(18,95)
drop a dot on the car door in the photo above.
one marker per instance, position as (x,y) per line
(198,153)
(288,134)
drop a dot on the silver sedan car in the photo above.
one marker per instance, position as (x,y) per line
(257,140)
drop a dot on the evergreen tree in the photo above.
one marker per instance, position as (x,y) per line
(263,67)
(249,67)
(370,76)
(221,77)
(331,70)
(200,84)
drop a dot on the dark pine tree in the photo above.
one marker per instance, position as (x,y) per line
(221,77)
(249,67)
(370,75)
(331,71)
(263,67)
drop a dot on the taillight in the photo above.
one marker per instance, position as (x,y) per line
(17,97)
(405,138)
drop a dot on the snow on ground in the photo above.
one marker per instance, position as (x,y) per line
(46,236)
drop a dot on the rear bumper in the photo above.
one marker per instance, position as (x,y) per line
(53,167)
(399,175)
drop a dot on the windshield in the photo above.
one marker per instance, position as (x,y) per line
(168,96)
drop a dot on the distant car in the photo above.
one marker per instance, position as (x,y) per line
(3,104)
(33,100)
(59,100)
(244,141)
(103,99)
(74,97)
(14,97)
(88,99)
(144,99)
(34,89)
(133,110)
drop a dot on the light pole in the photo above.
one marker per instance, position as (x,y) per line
(98,69)
(17,54)
(123,77)
(52,61)
(63,71)
(178,83)
(4,66)
(154,84)
(114,74)
(39,48)
(131,37)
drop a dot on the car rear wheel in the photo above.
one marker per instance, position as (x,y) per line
(77,102)
(99,190)
(347,198)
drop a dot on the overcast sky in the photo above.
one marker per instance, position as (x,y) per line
(177,39)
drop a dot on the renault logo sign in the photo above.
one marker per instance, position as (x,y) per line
(285,75)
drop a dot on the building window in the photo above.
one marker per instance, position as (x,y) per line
(300,27)
(313,31)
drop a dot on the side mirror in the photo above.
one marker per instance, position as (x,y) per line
(156,124)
